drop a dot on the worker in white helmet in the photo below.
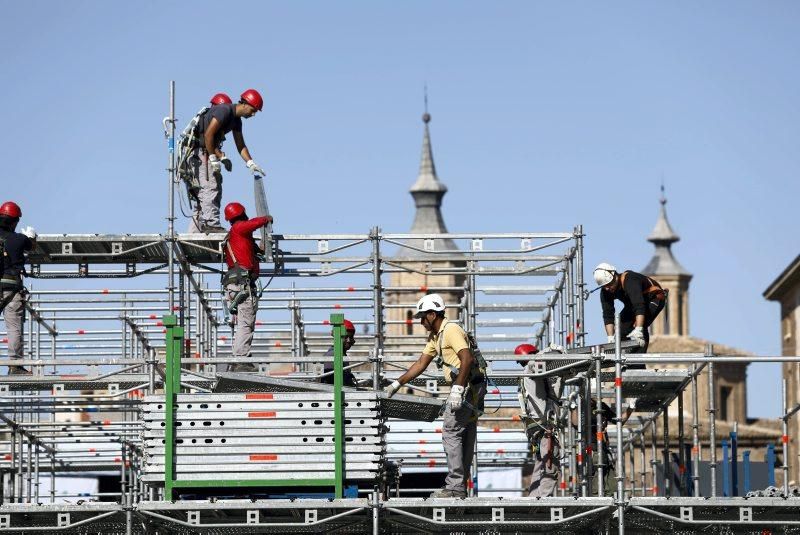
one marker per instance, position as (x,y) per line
(642,297)
(456,353)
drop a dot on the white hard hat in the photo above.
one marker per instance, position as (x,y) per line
(604,273)
(429,302)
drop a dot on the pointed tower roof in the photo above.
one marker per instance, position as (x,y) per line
(428,192)
(663,262)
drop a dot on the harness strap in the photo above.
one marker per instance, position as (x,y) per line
(654,289)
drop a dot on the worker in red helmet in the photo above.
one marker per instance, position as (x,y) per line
(539,399)
(210,131)
(13,246)
(348,342)
(220,98)
(239,281)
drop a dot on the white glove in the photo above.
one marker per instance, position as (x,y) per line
(30,232)
(392,389)
(227,163)
(631,403)
(456,397)
(214,163)
(612,338)
(637,335)
(254,168)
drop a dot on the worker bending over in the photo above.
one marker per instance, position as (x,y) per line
(643,299)
(347,342)
(239,281)
(450,345)
(208,161)
(13,246)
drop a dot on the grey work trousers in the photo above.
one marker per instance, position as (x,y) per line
(244,320)
(206,213)
(459,433)
(546,468)
(14,316)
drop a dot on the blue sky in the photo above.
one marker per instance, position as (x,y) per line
(545,115)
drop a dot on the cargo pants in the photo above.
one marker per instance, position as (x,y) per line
(14,316)
(459,433)
(546,467)
(209,196)
(244,320)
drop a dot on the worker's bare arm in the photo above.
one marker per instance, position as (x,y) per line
(238,138)
(466,358)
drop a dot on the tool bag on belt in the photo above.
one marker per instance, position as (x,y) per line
(188,162)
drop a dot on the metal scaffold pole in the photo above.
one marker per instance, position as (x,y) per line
(169,124)
(618,400)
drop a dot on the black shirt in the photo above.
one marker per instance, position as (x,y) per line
(14,253)
(631,293)
(228,122)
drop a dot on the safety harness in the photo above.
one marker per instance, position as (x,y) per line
(540,404)
(7,282)
(654,291)
(477,374)
(187,160)
(239,276)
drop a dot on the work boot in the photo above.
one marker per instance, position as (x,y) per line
(19,370)
(449,493)
(213,229)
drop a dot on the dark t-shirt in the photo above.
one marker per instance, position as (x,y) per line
(224,113)
(347,375)
(631,294)
(14,253)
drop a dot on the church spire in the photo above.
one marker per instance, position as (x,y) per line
(662,236)
(427,190)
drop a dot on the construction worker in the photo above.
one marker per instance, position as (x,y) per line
(607,415)
(209,158)
(453,349)
(539,399)
(240,280)
(348,341)
(643,299)
(13,246)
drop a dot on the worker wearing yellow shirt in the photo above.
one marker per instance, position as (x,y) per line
(449,344)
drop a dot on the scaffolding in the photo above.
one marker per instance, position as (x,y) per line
(143,322)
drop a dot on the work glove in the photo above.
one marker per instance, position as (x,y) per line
(456,397)
(254,168)
(631,403)
(392,389)
(214,163)
(227,163)
(30,232)
(612,338)
(637,335)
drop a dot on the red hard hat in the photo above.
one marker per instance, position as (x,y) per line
(221,98)
(253,97)
(526,349)
(348,326)
(11,209)
(233,210)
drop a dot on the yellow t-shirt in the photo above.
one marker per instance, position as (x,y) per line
(454,339)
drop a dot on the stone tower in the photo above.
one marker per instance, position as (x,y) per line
(408,286)
(663,267)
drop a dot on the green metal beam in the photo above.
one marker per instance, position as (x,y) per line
(337,320)
(171,387)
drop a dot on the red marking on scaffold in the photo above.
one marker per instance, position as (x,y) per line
(496,430)
(5,340)
(127,464)
(516,418)
(423,288)
(351,289)
(106,422)
(618,382)
(580,457)
(422,452)
(105,290)
(92,450)
(326,322)
(431,462)
(259,322)
(681,470)
(152,316)
(470,484)
(159,324)
(81,331)
(563,485)
(278,344)
(7,456)
(570,337)
(261,414)
(437,430)
(501,451)
(785,439)
(409,322)
(223,338)
(263,457)
(164,331)
(176,308)
(188,343)
(654,490)
(259,395)
(337,305)
(599,436)
(589,450)
(197,355)
(423,441)
(117,460)
(496,391)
